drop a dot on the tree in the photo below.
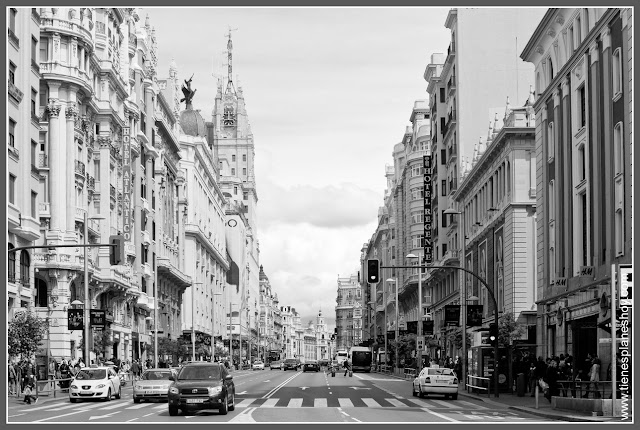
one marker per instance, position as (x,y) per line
(25,334)
(102,339)
(509,331)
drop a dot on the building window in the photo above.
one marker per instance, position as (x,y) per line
(12,20)
(244,171)
(581,163)
(578,31)
(34,97)
(582,113)
(618,150)
(235,190)
(619,195)
(233,157)
(552,198)
(44,51)
(550,70)
(12,131)
(245,196)
(443,156)
(41,293)
(442,95)
(584,226)
(12,72)
(34,51)
(443,187)
(12,264)
(12,189)
(233,171)
(417,193)
(444,220)
(551,142)
(244,157)
(24,267)
(617,72)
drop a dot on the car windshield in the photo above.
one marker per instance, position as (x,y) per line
(86,374)
(290,360)
(441,371)
(199,372)
(258,362)
(156,375)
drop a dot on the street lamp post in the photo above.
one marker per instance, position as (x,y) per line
(419,334)
(87,306)
(396,351)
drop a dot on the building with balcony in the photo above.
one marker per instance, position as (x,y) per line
(268,327)
(583,73)
(349,312)
(25,160)
(498,222)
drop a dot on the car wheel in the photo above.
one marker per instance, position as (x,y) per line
(413,391)
(108,399)
(225,405)
(73,400)
(136,400)
(232,406)
(454,396)
(420,393)
(173,410)
(119,394)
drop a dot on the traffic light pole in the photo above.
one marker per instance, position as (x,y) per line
(495,307)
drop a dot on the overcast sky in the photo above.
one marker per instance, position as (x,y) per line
(328,94)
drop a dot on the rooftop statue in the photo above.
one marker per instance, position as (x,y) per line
(188,92)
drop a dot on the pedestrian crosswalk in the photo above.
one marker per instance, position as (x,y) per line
(332,402)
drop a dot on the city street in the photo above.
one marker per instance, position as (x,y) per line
(286,396)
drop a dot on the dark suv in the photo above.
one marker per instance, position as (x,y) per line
(202,386)
(290,363)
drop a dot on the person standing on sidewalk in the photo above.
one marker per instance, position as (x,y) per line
(11,372)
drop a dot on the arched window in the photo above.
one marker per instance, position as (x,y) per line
(12,264)
(24,267)
(73,292)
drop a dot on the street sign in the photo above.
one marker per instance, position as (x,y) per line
(75,319)
(98,318)
(420,343)
(452,314)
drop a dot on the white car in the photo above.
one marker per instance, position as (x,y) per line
(436,380)
(154,384)
(275,365)
(95,383)
(258,365)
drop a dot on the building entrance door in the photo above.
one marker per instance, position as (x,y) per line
(585,341)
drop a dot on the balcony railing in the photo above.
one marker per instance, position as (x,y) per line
(15,93)
(112,192)
(91,183)
(66,26)
(79,167)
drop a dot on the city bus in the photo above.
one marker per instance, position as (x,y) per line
(341,356)
(274,355)
(361,358)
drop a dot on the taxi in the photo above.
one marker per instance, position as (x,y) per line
(153,384)
(436,380)
(258,365)
(98,382)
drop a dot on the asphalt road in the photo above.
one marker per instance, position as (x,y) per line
(284,396)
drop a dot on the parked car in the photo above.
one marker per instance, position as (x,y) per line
(202,386)
(290,363)
(323,362)
(257,365)
(95,383)
(275,365)
(311,365)
(436,380)
(153,384)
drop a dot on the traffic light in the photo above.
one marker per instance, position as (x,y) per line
(116,252)
(373,270)
(493,334)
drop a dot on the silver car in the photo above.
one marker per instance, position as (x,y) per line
(153,384)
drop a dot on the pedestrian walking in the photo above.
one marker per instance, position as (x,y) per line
(347,367)
(135,369)
(18,369)
(28,394)
(594,378)
(64,374)
(532,378)
(12,379)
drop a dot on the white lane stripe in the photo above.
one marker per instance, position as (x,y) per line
(445,404)
(62,408)
(270,403)
(469,404)
(295,403)
(86,406)
(396,403)
(444,417)
(163,406)
(58,416)
(106,408)
(141,405)
(48,405)
(319,403)
(345,403)
(244,403)
(371,403)
(415,402)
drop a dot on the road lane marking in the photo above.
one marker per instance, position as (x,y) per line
(86,407)
(16,415)
(469,404)
(62,408)
(141,405)
(245,403)
(133,419)
(444,417)
(396,403)
(50,405)
(319,403)
(164,406)
(345,403)
(270,403)
(106,408)
(371,403)
(59,416)
(277,387)
(443,403)
(295,403)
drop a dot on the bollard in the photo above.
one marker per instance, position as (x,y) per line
(536,396)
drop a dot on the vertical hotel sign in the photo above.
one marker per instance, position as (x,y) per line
(428,248)
(126,184)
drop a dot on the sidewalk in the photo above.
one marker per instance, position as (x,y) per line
(528,404)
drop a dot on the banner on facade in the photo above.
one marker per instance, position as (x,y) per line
(126,184)
(427,327)
(98,318)
(75,319)
(452,315)
(428,249)
(625,296)
(391,334)
(474,315)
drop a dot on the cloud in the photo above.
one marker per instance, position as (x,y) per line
(346,205)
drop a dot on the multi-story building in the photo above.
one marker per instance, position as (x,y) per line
(583,69)
(496,197)
(269,325)
(309,343)
(460,110)
(27,162)
(322,337)
(349,312)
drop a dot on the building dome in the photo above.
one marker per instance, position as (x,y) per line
(263,276)
(192,122)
